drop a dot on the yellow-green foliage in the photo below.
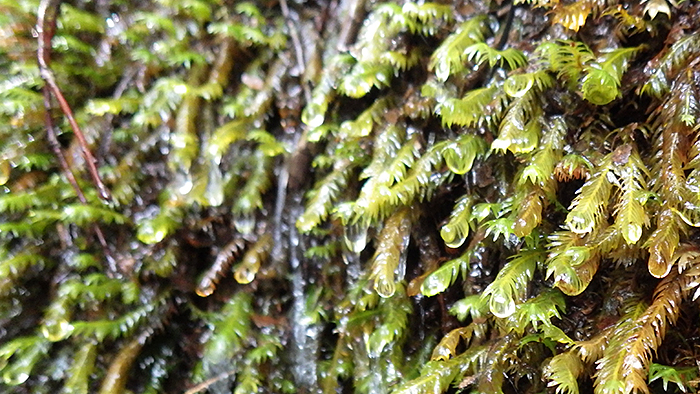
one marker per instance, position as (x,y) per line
(369,197)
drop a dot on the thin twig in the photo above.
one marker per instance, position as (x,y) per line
(46,27)
(209,382)
(47,18)
(298,49)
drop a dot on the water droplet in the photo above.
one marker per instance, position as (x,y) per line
(11,378)
(58,331)
(244,274)
(313,115)
(433,285)
(385,288)
(633,233)
(356,238)
(214,193)
(453,239)
(501,305)
(245,224)
(149,234)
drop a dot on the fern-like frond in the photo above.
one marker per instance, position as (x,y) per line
(664,68)
(474,306)
(445,276)
(590,206)
(389,261)
(322,197)
(680,376)
(395,312)
(250,198)
(365,76)
(663,242)
(571,262)
(13,267)
(447,347)
(567,58)
(375,197)
(540,169)
(122,326)
(245,272)
(480,53)
(510,286)
(538,313)
(436,376)
(609,378)
(363,125)
(469,111)
(19,356)
(450,56)
(517,85)
(85,214)
(422,179)
(520,128)
(630,216)
(152,231)
(81,369)
(456,230)
(562,372)
(229,331)
(601,84)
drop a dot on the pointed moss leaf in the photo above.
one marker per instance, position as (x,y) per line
(518,85)
(449,57)
(680,376)
(224,136)
(25,353)
(469,110)
(443,277)
(321,198)
(599,87)
(674,59)
(447,348)
(435,377)
(85,214)
(389,262)
(78,381)
(589,207)
(480,53)
(455,232)
(229,331)
(662,244)
(395,311)
(511,283)
(563,371)
(473,306)
(152,231)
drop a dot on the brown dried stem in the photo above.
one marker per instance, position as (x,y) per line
(46,27)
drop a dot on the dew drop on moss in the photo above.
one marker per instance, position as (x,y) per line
(356,238)
(452,237)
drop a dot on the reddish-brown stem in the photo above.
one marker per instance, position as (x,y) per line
(46,26)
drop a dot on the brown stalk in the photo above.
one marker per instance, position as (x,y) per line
(46,28)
